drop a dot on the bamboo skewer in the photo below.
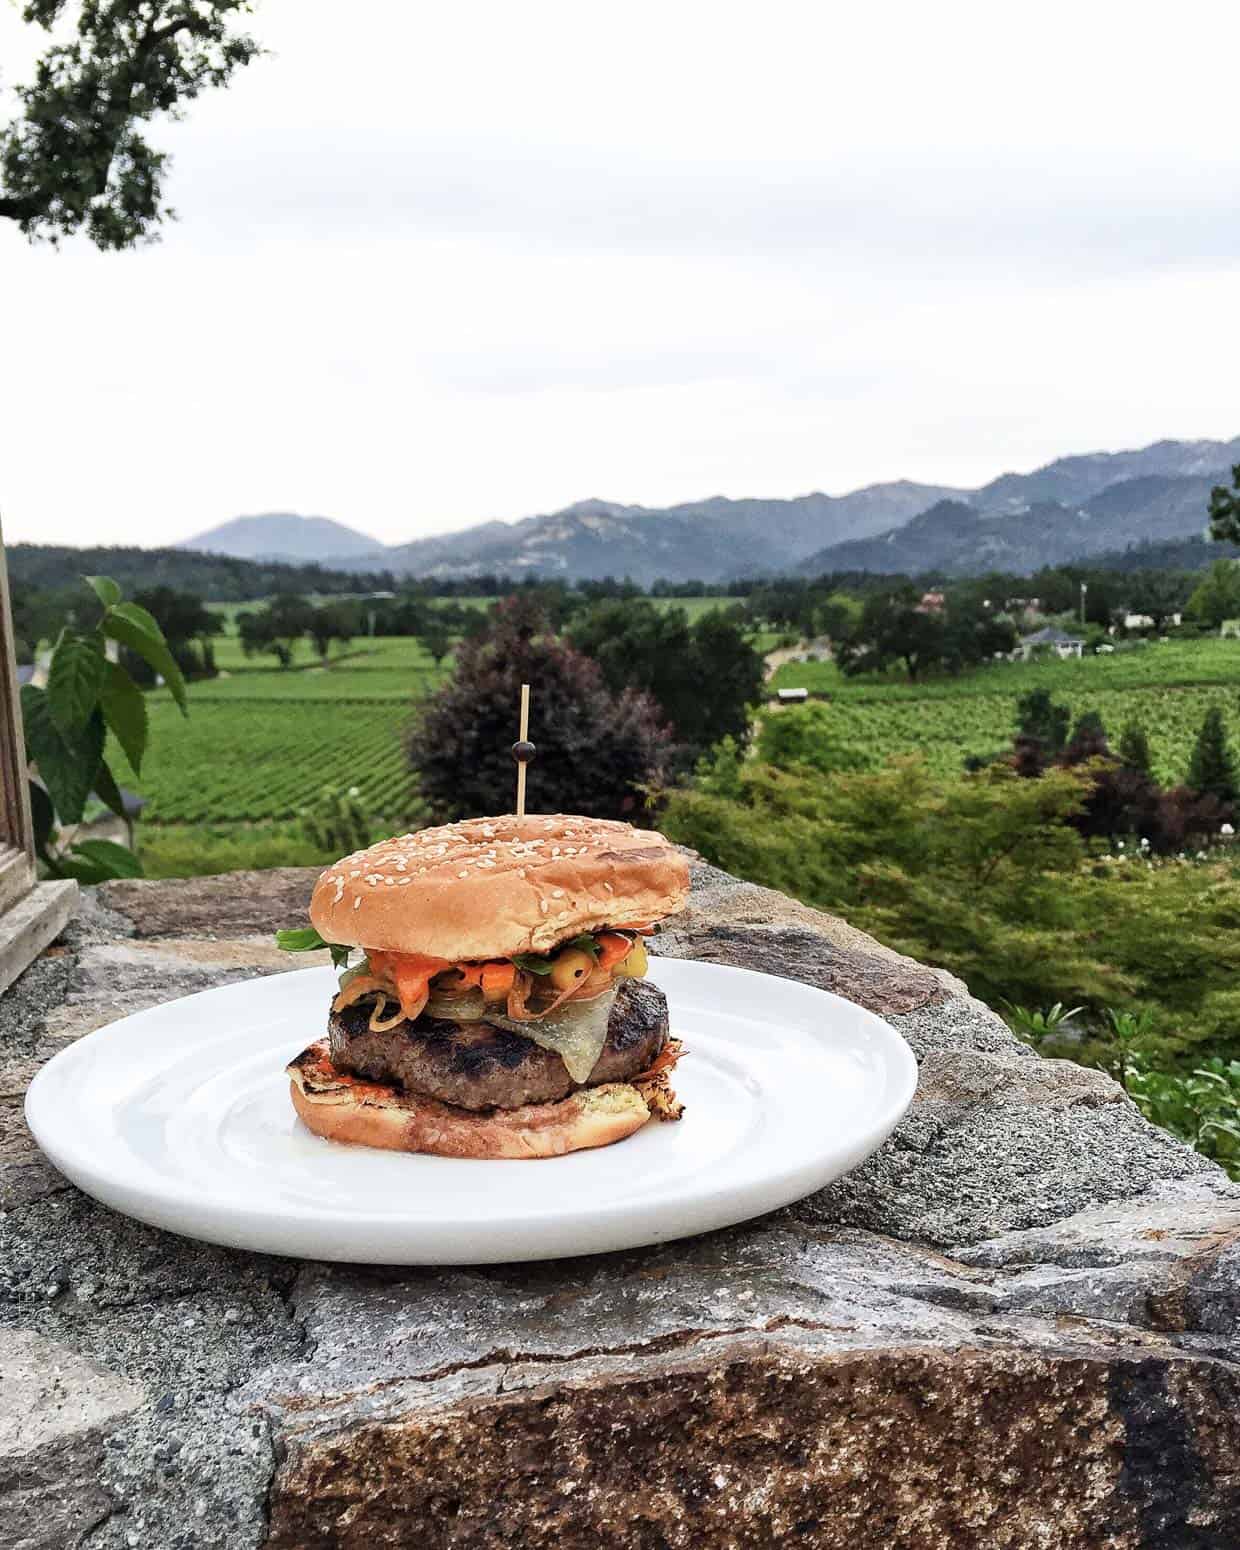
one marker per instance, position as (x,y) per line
(523,749)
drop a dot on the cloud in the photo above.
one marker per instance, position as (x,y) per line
(438,265)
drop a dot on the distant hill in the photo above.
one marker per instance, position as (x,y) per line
(1075,509)
(282,535)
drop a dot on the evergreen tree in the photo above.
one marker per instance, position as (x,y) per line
(1134,748)
(1038,717)
(1212,769)
(1088,740)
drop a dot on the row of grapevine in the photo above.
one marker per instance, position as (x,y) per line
(253,760)
(946,731)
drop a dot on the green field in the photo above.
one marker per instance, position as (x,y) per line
(1166,687)
(261,742)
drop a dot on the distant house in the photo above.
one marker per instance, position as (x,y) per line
(1051,639)
(1146,621)
(792,696)
(931,603)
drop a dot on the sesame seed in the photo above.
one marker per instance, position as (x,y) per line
(557,893)
(463,874)
(357,904)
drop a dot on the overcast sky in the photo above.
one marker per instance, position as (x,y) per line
(443,263)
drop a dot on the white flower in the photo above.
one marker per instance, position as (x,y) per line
(1120,844)
(1227,830)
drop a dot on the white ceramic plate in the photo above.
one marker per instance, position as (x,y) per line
(180,1116)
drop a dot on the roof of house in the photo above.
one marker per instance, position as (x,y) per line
(1050,636)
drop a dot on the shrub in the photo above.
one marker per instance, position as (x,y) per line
(986,876)
(807,737)
(1202,1107)
(337,822)
(599,753)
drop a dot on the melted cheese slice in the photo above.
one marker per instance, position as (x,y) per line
(576,1032)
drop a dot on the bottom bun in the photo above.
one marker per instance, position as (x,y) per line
(342,1107)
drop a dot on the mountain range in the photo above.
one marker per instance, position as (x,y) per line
(1073,508)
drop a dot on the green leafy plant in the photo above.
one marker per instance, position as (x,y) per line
(336,821)
(66,727)
(1202,1107)
(1035,1025)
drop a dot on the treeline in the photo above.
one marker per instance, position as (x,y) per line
(808,606)
(215,578)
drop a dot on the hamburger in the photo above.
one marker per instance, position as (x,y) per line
(493,999)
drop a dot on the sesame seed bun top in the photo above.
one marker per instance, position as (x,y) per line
(492,887)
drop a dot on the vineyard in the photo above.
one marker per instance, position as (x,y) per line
(1167,688)
(260,741)
(261,760)
(1165,665)
(947,731)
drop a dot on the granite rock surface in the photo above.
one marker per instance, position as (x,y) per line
(1014,1326)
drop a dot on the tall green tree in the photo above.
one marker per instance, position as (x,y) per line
(1225,510)
(705,675)
(1212,768)
(1217,596)
(1134,749)
(77,159)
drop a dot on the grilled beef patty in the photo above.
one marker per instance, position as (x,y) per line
(478,1066)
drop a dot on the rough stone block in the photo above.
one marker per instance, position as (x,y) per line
(55,1411)
(1013,1328)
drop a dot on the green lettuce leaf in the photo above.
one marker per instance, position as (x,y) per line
(307,940)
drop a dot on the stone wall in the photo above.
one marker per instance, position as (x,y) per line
(1015,1326)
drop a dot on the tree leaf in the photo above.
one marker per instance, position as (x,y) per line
(124,710)
(67,763)
(43,816)
(104,588)
(74,681)
(107,790)
(134,627)
(107,858)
